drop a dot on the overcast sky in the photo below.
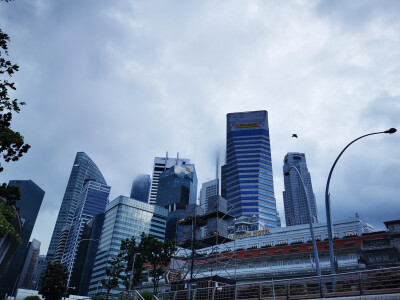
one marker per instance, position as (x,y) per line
(125,81)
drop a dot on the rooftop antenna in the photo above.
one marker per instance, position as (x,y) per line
(166,160)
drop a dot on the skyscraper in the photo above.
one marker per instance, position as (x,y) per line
(160,165)
(247,180)
(294,198)
(177,187)
(125,218)
(208,189)
(28,208)
(86,255)
(27,273)
(82,169)
(92,201)
(141,188)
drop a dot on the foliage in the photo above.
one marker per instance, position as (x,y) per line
(32,298)
(382,280)
(10,195)
(54,283)
(158,254)
(128,249)
(113,274)
(147,295)
(12,145)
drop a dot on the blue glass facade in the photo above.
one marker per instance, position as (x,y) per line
(177,187)
(92,201)
(141,188)
(83,168)
(124,218)
(28,208)
(247,180)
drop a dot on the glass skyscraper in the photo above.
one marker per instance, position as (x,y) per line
(177,187)
(28,208)
(83,168)
(294,198)
(92,201)
(247,180)
(124,218)
(141,188)
(161,164)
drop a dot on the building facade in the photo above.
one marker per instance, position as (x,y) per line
(294,198)
(177,188)
(28,208)
(247,179)
(27,274)
(141,188)
(83,168)
(86,255)
(160,165)
(62,241)
(124,218)
(92,201)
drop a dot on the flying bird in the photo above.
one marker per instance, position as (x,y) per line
(294,135)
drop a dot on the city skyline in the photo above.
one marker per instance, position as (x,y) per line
(327,72)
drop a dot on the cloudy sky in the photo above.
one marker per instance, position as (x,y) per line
(125,81)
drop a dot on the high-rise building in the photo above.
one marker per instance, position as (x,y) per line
(86,255)
(177,187)
(247,180)
(160,165)
(208,189)
(141,188)
(92,201)
(28,208)
(124,218)
(37,273)
(83,168)
(27,273)
(294,198)
(62,241)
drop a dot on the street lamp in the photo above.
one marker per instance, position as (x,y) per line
(133,269)
(327,203)
(98,284)
(309,219)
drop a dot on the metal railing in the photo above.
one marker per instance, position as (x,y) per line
(371,282)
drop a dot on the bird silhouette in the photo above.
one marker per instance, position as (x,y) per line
(294,135)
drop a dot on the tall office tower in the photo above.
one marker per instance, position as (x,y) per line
(160,165)
(86,255)
(247,175)
(37,273)
(124,218)
(141,188)
(28,207)
(208,189)
(177,187)
(82,169)
(62,241)
(294,198)
(27,273)
(92,201)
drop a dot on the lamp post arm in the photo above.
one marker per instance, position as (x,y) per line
(334,164)
(327,201)
(314,243)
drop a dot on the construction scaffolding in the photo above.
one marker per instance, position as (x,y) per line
(203,257)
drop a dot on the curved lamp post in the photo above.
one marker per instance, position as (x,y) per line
(310,220)
(327,203)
